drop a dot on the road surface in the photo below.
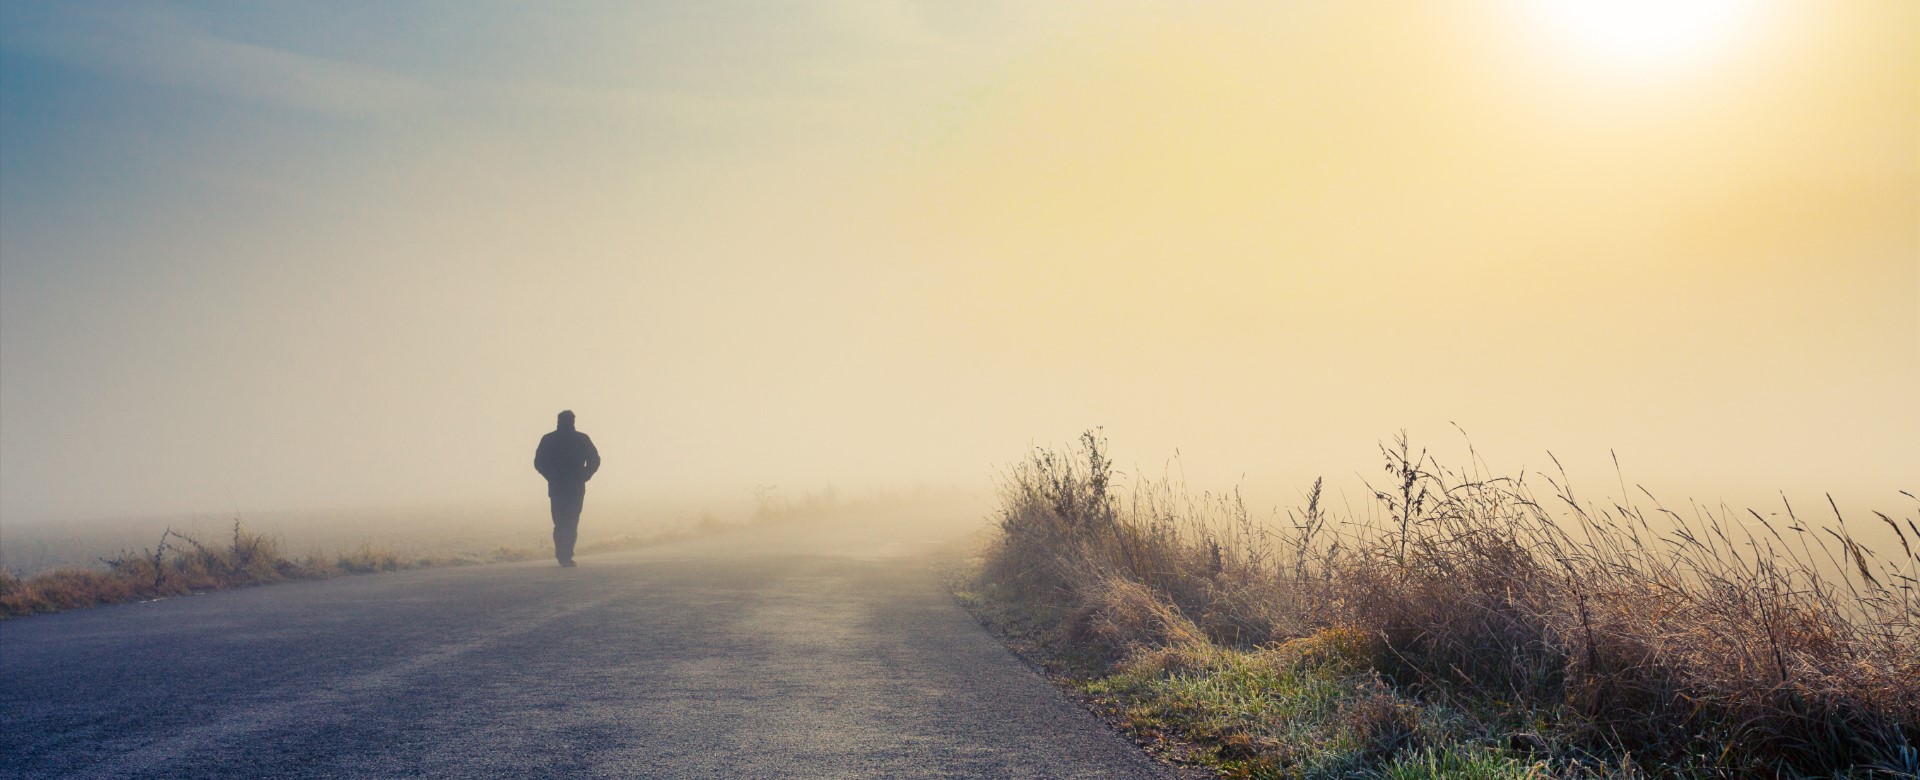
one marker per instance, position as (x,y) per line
(799,651)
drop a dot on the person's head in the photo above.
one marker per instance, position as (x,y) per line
(566,420)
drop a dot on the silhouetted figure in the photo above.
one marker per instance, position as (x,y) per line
(567,459)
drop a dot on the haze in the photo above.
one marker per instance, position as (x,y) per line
(300,257)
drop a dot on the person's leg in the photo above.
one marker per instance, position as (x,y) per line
(559,505)
(566,523)
(564,535)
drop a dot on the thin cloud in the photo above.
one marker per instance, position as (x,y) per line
(152,43)
(679,108)
(155,44)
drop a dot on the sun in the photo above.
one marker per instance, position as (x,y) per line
(1646,33)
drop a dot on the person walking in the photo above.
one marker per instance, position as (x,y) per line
(567,458)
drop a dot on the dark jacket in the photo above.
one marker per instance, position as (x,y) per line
(566,457)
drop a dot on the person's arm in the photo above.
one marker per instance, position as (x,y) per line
(593,459)
(540,458)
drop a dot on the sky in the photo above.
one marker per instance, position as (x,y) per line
(279,256)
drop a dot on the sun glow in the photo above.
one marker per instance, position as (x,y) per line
(1647,33)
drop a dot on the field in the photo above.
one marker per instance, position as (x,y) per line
(1465,625)
(30,547)
(108,562)
(179,563)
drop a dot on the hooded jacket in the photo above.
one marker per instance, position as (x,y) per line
(566,457)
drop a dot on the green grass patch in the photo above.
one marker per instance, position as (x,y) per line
(1312,708)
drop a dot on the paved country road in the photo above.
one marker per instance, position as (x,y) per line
(800,651)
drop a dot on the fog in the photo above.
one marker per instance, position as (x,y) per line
(350,259)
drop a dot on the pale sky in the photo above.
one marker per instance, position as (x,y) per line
(295,256)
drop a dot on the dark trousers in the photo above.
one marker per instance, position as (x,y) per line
(566,500)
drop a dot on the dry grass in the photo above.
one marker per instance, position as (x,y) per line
(179,564)
(176,564)
(1599,635)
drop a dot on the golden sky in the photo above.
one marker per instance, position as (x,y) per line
(360,253)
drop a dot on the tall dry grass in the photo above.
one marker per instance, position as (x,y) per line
(176,564)
(1737,644)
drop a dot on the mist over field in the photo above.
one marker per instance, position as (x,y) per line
(1099,389)
(334,268)
(406,531)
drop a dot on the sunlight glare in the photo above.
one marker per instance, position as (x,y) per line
(1640,33)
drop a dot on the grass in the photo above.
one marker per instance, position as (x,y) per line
(179,564)
(1468,627)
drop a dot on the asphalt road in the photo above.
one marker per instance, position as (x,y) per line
(796,652)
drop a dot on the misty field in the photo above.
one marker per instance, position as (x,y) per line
(1465,625)
(31,547)
(110,562)
(178,564)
